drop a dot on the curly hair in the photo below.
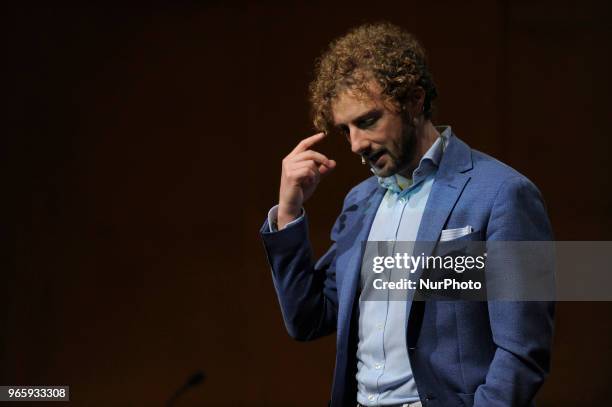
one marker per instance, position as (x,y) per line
(381,51)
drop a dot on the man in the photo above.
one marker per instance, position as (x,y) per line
(373,86)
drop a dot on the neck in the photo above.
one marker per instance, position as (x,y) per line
(425,136)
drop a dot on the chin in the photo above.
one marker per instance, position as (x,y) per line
(385,171)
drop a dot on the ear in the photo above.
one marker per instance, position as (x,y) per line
(417,100)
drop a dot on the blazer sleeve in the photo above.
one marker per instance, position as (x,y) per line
(306,290)
(522,330)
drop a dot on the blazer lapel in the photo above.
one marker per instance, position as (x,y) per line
(444,194)
(447,188)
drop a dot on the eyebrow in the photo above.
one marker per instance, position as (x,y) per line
(366,115)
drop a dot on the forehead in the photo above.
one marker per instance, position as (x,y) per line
(350,104)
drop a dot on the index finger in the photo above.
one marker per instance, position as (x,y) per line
(307,143)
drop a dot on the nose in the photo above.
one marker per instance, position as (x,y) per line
(359,143)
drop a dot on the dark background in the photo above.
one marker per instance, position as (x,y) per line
(142,149)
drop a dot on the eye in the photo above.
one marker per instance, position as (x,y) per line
(369,121)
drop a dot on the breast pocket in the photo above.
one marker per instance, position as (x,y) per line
(473,236)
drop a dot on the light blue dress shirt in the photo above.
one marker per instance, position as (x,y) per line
(384,375)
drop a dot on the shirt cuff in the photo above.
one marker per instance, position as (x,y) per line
(273,219)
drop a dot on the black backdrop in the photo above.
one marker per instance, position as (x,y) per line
(143,149)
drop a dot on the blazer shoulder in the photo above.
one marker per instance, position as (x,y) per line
(492,170)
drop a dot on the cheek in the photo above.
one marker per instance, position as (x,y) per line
(394,126)
(395,136)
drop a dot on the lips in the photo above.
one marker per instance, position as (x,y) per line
(373,158)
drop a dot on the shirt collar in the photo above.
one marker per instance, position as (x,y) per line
(427,165)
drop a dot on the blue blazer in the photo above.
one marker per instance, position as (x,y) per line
(462,353)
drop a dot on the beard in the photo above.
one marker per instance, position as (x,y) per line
(401,154)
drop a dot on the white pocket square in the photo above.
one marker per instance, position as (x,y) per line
(450,234)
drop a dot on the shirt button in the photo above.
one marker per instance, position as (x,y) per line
(402,200)
(377,366)
(380,327)
(371,397)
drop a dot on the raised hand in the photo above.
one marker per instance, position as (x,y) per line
(301,173)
